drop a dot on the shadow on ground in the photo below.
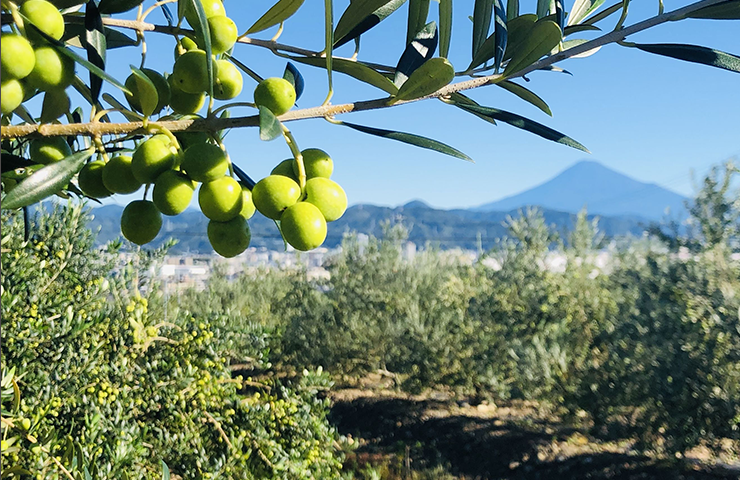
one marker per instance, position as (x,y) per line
(427,434)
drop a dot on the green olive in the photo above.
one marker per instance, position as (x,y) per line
(211,8)
(185,44)
(56,103)
(221,199)
(91,180)
(173,192)
(317,163)
(16,55)
(52,70)
(152,158)
(204,162)
(303,226)
(286,169)
(139,89)
(328,196)
(49,150)
(231,238)
(11,95)
(229,81)
(44,16)
(274,194)
(182,102)
(248,207)
(223,33)
(140,222)
(276,94)
(190,73)
(118,176)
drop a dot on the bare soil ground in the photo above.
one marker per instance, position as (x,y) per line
(433,436)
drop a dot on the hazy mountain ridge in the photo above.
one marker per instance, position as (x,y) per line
(602,190)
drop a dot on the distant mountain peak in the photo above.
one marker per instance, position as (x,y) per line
(603,190)
(416,204)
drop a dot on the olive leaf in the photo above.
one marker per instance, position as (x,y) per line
(46,181)
(729,10)
(411,139)
(146,92)
(95,45)
(361,16)
(482,12)
(525,94)
(279,12)
(582,9)
(270,127)
(292,75)
(694,53)
(418,12)
(542,38)
(245,179)
(517,32)
(430,77)
(355,69)
(445,27)
(416,53)
(512,10)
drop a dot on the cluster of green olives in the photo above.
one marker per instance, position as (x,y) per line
(30,64)
(302,215)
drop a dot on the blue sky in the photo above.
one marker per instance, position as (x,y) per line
(651,117)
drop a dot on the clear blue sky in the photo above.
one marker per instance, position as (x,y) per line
(651,117)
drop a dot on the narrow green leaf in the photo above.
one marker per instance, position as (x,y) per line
(512,9)
(329,42)
(354,69)
(146,90)
(116,104)
(559,14)
(500,32)
(411,139)
(95,45)
(445,27)
(254,75)
(458,99)
(525,94)
(245,179)
(582,9)
(279,12)
(525,124)
(485,52)
(604,14)
(579,41)
(482,14)
(362,15)
(542,38)
(270,127)
(430,77)
(729,10)
(46,181)
(182,6)
(61,48)
(695,54)
(203,31)
(416,53)
(545,8)
(113,38)
(518,31)
(418,12)
(292,75)
(579,28)
(165,471)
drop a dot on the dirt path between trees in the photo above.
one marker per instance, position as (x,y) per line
(433,436)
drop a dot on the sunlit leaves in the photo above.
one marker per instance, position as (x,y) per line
(694,53)
(279,12)
(542,38)
(361,16)
(427,79)
(270,127)
(416,53)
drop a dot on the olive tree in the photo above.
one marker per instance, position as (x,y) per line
(170,136)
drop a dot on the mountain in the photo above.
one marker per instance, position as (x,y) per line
(443,228)
(601,190)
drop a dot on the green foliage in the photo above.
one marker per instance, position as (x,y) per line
(112,387)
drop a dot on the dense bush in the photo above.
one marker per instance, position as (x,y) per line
(107,386)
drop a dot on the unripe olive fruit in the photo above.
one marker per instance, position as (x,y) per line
(285,168)
(52,70)
(118,6)
(49,150)
(231,238)
(221,199)
(16,56)
(151,158)
(91,180)
(275,193)
(328,196)
(229,81)
(173,192)
(211,8)
(185,44)
(25,423)
(204,162)
(317,163)
(11,95)
(140,222)
(139,89)
(223,33)
(190,73)
(182,102)
(188,139)
(118,176)
(276,94)
(303,226)
(45,16)
(56,103)
(248,207)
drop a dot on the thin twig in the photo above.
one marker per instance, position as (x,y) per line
(216,124)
